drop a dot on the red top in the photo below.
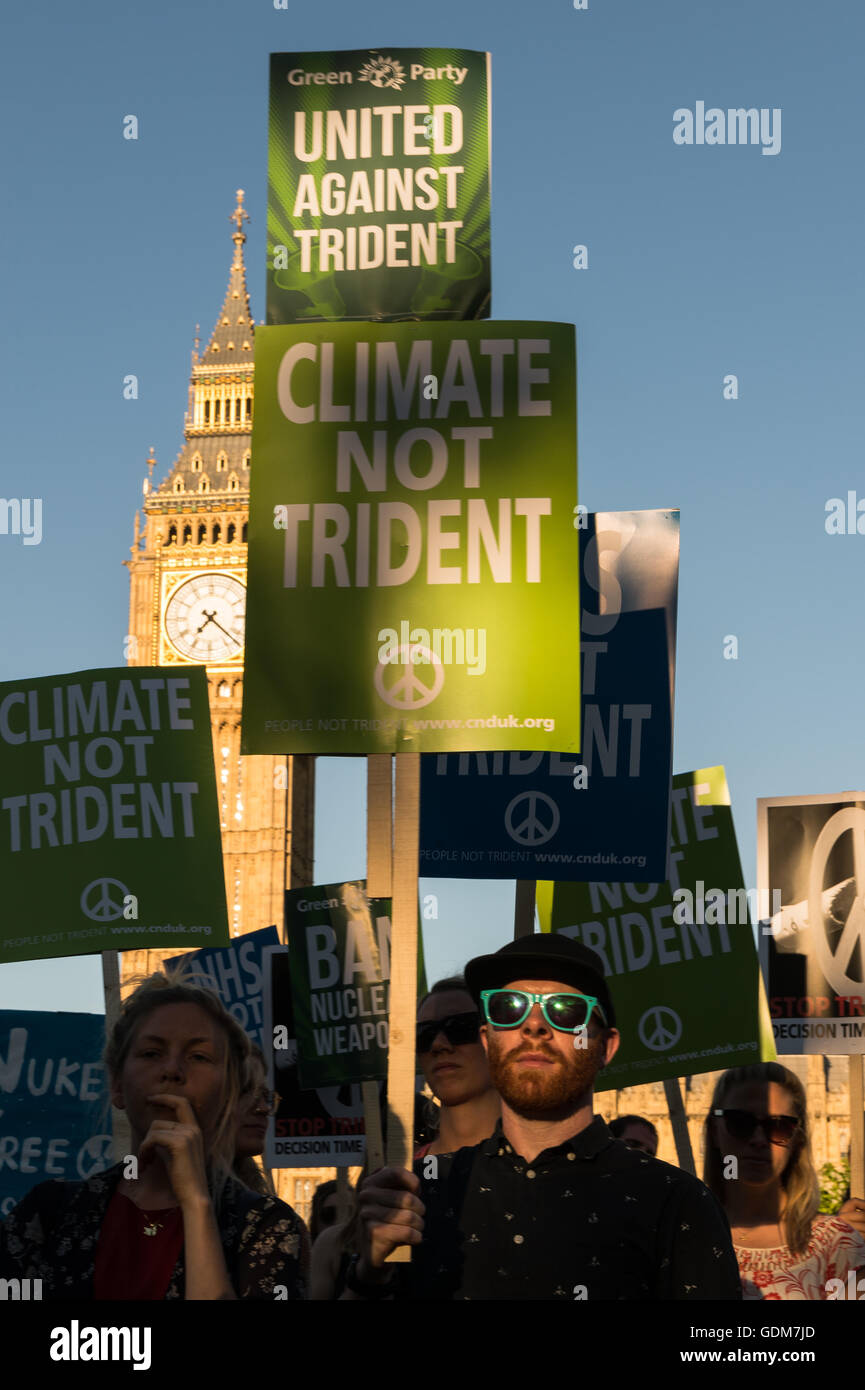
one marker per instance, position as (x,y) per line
(130,1264)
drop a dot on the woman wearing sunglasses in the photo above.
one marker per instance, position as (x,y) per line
(454,1066)
(758,1164)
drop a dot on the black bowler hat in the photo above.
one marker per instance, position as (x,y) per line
(542,956)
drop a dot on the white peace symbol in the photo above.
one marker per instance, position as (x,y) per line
(95,1155)
(663,1033)
(411,681)
(104,909)
(835,964)
(531,830)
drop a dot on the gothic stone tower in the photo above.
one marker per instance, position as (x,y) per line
(186,607)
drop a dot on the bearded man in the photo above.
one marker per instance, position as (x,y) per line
(551,1206)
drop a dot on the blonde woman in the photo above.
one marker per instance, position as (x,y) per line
(758,1164)
(169,1221)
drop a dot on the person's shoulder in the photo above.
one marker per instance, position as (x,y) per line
(53,1200)
(656,1173)
(833,1232)
(618,1155)
(434,1169)
(257,1205)
(57,1192)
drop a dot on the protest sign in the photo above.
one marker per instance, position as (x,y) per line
(378,185)
(373,607)
(340,973)
(811,877)
(310,1129)
(679,956)
(552,815)
(109,829)
(54,1111)
(340,943)
(235,972)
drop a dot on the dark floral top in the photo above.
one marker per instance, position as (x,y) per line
(53,1232)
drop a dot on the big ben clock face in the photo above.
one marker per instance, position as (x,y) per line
(204,618)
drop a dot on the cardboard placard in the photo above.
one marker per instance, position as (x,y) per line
(411,557)
(54,1110)
(109,827)
(379,185)
(606,810)
(811,878)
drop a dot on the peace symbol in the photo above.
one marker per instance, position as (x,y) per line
(99,904)
(835,963)
(659,1028)
(95,1155)
(401,693)
(532,829)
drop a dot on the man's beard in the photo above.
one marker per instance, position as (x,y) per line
(538,1093)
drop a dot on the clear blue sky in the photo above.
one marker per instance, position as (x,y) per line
(703,261)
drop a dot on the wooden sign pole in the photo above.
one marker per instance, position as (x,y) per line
(343,1195)
(524,907)
(403,963)
(372,1124)
(855,1064)
(679,1121)
(379,826)
(379,884)
(111,989)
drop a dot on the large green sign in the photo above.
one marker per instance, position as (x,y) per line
(109,829)
(679,956)
(413,563)
(379,185)
(339,949)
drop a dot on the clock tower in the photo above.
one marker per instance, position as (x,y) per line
(187,602)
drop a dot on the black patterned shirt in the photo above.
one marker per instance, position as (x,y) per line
(588,1220)
(53,1232)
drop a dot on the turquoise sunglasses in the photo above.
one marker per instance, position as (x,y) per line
(569,1013)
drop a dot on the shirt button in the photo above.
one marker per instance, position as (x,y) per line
(530,1173)
(518,1240)
(571,1157)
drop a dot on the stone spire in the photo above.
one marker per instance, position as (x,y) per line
(231,342)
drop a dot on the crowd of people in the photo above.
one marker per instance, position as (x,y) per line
(519,1190)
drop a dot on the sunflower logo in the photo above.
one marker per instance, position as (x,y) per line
(383,72)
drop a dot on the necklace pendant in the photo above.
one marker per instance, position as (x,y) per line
(150,1228)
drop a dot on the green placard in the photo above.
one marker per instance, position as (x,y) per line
(413,563)
(109,828)
(679,956)
(339,949)
(379,185)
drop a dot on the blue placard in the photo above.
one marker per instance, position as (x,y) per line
(528,815)
(55,1116)
(235,973)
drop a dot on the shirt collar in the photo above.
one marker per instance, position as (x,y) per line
(586,1144)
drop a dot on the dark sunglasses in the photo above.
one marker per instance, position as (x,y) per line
(457,1028)
(779,1129)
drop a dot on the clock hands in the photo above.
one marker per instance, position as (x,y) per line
(211,618)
